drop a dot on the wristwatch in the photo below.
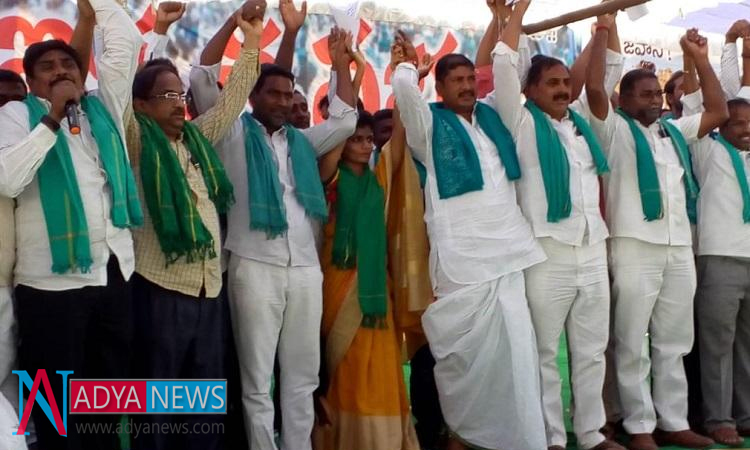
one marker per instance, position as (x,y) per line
(51,123)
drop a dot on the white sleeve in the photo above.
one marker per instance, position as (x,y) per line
(156,45)
(116,66)
(507,103)
(341,123)
(613,71)
(689,126)
(21,152)
(692,103)
(730,70)
(203,86)
(415,112)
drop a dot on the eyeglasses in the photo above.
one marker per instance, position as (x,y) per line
(172,96)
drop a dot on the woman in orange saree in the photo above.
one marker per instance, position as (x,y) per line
(364,323)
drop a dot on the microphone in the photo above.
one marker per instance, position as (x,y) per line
(71,113)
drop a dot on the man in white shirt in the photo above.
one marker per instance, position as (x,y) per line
(275,282)
(561,160)
(648,192)
(12,88)
(723,299)
(74,308)
(479,329)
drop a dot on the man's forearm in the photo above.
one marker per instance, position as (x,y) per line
(214,50)
(83,40)
(596,93)
(713,98)
(690,81)
(511,34)
(344,87)
(746,63)
(285,55)
(484,52)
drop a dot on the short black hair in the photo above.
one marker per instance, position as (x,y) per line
(539,64)
(738,103)
(383,114)
(634,76)
(672,82)
(271,70)
(39,49)
(365,119)
(146,77)
(8,76)
(450,62)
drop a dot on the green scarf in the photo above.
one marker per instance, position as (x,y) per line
(739,170)
(63,208)
(360,240)
(553,160)
(177,223)
(267,212)
(457,167)
(648,179)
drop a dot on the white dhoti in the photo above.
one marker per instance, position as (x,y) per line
(486,369)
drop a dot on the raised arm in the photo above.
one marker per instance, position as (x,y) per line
(342,116)
(344,86)
(413,108)
(613,69)
(505,70)
(231,102)
(293,20)
(83,35)
(204,89)
(690,83)
(730,69)
(214,49)
(326,138)
(490,37)
(692,100)
(116,66)
(745,66)
(157,40)
(579,68)
(716,112)
(613,72)
(359,73)
(596,93)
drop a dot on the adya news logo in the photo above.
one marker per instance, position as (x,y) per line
(116,397)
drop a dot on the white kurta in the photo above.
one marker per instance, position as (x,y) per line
(275,285)
(569,291)
(480,242)
(654,277)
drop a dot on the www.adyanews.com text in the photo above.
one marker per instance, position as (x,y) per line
(134,429)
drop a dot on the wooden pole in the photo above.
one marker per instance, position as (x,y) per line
(582,14)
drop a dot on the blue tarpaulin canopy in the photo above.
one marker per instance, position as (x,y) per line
(716,19)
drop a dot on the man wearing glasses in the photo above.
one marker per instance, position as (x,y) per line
(651,195)
(181,322)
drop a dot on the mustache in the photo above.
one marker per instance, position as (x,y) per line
(59,79)
(561,96)
(468,92)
